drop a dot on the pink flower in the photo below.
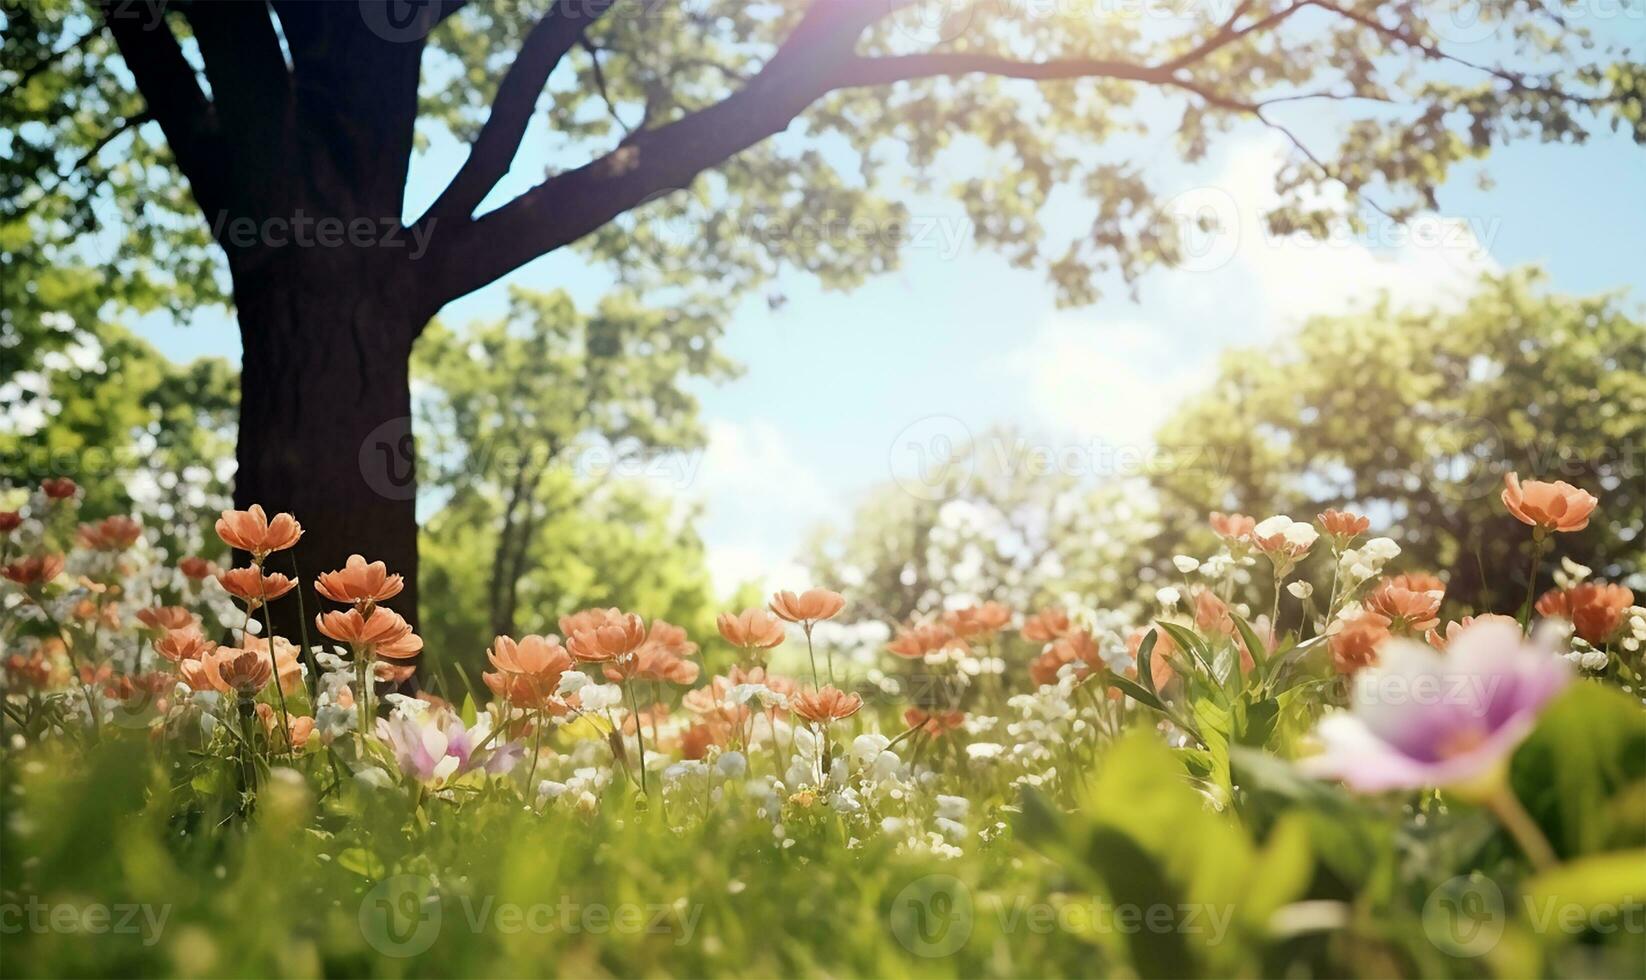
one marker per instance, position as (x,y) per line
(1421,719)
(436,746)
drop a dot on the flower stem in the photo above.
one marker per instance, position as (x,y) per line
(279,691)
(813,654)
(639,737)
(1531,581)
(1520,825)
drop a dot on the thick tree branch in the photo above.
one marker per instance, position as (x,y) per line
(816,59)
(494,149)
(572,204)
(251,89)
(168,86)
(247,72)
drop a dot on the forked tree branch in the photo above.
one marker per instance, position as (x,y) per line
(517,95)
(816,59)
(175,101)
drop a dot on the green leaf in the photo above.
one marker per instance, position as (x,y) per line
(1190,641)
(1145,658)
(1589,746)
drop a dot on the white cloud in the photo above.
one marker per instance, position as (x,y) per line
(1116,380)
(1431,260)
(1109,380)
(759,498)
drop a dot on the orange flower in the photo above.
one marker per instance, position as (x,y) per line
(613,643)
(384,633)
(1419,582)
(922,639)
(695,741)
(187,643)
(538,656)
(28,673)
(359,583)
(760,675)
(1454,630)
(10,520)
(809,607)
(1354,644)
(1046,625)
(1043,668)
(1234,529)
(657,664)
(1548,507)
(982,620)
(34,570)
(1078,646)
(115,533)
(165,618)
(201,674)
(251,531)
(528,672)
(1342,526)
(298,735)
(58,487)
(710,702)
(232,669)
(751,629)
(1212,614)
(196,568)
(286,665)
(826,704)
(935,723)
(1160,659)
(669,639)
(588,619)
(1406,610)
(1595,609)
(254,587)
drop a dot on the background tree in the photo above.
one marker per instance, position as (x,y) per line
(624,544)
(285,115)
(529,416)
(85,398)
(1413,416)
(1010,519)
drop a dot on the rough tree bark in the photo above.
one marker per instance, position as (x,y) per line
(325,416)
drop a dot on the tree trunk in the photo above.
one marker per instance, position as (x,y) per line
(325,417)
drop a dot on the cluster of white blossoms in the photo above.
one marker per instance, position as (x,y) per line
(1357,566)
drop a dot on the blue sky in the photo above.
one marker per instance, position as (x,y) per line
(956,340)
